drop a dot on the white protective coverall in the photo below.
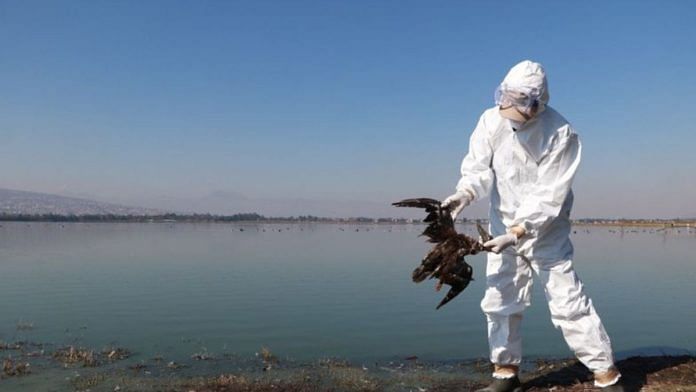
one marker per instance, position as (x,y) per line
(527,170)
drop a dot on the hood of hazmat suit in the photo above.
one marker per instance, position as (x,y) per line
(526,167)
(523,92)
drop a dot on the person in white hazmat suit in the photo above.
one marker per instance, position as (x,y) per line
(524,155)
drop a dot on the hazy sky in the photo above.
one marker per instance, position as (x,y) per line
(336,100)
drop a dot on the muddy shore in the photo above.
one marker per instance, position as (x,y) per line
(28,366)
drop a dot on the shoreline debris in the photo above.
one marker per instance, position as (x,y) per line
(10,369)
(71,355)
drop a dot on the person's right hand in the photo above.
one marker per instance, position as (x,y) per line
(456,203)
(501,242)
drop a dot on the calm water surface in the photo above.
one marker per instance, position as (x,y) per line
(308,291)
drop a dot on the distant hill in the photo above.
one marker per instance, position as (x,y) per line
(14,202)
(229,203)
(22,202)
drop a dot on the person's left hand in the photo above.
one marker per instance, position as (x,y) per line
(456,203)
(501,242)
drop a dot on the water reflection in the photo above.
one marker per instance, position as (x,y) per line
(311,290)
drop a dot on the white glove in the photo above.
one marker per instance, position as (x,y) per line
(457,202)
(499,243)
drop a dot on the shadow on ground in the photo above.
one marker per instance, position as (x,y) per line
(660,373)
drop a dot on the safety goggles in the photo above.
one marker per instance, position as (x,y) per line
(522,98)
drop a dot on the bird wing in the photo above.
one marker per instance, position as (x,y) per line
(440,224)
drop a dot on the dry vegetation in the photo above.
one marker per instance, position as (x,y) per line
(11,368)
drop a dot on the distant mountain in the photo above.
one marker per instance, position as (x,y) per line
(228,204)
(22,202)
(217,202)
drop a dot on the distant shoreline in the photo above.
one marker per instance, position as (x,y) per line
(256,218)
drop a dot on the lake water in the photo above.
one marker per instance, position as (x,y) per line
(312,291)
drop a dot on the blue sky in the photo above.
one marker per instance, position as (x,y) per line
(336,100)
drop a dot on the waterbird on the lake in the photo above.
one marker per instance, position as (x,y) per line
(445,260)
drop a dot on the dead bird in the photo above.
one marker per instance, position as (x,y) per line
(445,261)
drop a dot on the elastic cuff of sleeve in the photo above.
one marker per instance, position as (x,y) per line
(468,199)
(467,195)
(529,230)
